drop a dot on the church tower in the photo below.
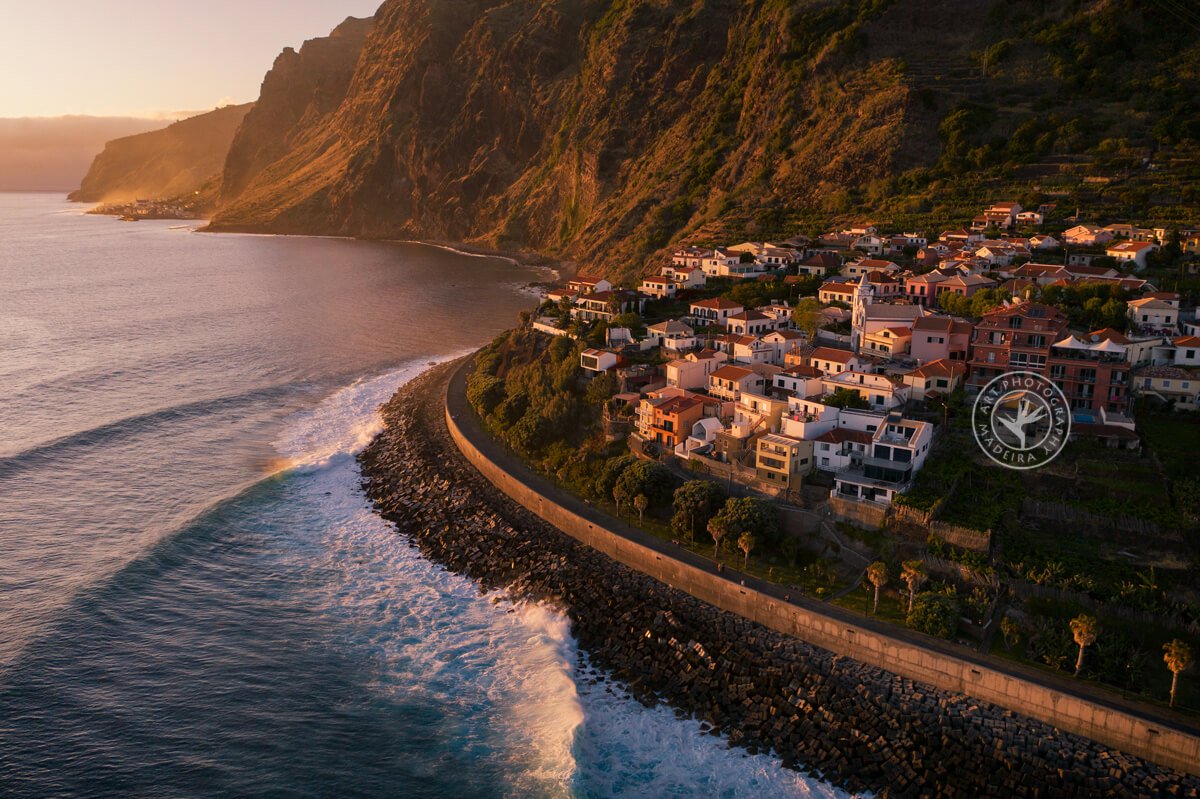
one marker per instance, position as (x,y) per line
(864,295)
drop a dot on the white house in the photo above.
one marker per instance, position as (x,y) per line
(692,370)
(658,287)
(714,311)
(1130,252)
(749,323)
(596,361)
(898,450)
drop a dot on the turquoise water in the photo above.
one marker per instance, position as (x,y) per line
(195,600)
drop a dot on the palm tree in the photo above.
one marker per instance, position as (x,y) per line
(1178,657)
(1085,628)
(717,528)
(877,574)
(641,502)
(618,497)
(913,573)
(746,542)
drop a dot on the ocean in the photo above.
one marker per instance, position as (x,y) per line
(195,598)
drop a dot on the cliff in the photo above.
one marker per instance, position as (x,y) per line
(603,131)
(176,160)
(302,89)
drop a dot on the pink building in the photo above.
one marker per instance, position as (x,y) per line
(940,337)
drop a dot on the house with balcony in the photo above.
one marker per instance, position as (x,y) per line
(673,335)
(602,306)
(667,419)
(714,311)
(701,439)
(1015,337)
(922,289)
(586,284)
(1153,316)
(693,370)
(898,450)
(1003,215)
(1093,375)
(840,449)
(729,381)
(1086,236)
(688,257)
(781,461)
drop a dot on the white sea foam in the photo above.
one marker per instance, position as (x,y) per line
(510,671)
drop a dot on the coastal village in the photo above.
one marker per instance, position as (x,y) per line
(804,407)
(845,384)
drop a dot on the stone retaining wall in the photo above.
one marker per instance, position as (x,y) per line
(1154,741)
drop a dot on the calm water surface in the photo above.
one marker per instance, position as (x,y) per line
(195,599)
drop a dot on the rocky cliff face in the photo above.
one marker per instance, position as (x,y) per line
(604,130)
(176,160)
(298,94)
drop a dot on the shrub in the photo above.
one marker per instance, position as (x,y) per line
(484,392)
(934,614)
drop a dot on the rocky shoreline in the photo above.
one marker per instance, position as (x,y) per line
(856,726)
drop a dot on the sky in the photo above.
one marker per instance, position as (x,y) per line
(154,59)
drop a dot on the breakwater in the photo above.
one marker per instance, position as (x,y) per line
(853,724)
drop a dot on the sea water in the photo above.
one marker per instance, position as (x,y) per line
(196,599)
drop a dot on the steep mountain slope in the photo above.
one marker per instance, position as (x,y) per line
(299,92)
(173,161)
(604,130)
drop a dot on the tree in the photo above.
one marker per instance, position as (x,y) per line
(650,478)
(718,528)
(934,614)
(806,316)
(1010,628)
(695,502)
(877,574)
(1178,657)
(1084,628)
(752,515)
(610,472)
(913,573)
(619,495)
(601,389)
(846,398)
(564,313)
(746,542)
(641,502)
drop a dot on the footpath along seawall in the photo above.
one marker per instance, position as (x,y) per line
(1100,719)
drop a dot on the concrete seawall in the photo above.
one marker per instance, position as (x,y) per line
(830,628)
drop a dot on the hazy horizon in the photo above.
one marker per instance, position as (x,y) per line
(154,61)
(116,71)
